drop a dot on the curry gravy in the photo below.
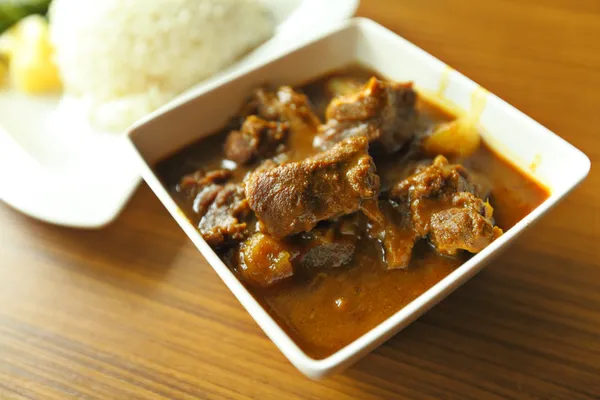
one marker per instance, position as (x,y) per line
(325,310)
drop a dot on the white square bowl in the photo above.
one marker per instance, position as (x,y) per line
(526,143)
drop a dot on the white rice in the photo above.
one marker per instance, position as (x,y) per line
(125,58)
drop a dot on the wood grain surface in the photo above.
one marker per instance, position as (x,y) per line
(133,311)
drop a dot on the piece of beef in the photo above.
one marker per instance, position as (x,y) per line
(225,219)
(205,197)
(264,260)
(290,107)
(221,208)
(382,111)
(257,138)
(285,105)
(448,207)
(293,197)
(438,176)
(329,246)
(430,188)
(462,229)
(394,230)
(190,185)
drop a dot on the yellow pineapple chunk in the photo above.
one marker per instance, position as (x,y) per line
(31,57)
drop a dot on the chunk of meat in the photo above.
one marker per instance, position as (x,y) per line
(431,189)
(285,105)
(264,260)
(328,255)
(225,219)
(190,185)
(294,109)
(462,229)
(436,178)
(221,208)
(394,230)
(205,198)
(382,111)
(293,197)
(257,138)
(447,206)
(328,247)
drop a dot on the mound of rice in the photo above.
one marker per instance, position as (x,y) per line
(126,58)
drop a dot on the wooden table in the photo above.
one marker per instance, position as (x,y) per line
(134,312)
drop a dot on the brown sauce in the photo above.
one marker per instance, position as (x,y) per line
(324,310)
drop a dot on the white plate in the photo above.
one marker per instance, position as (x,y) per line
(57,168)
(526,143)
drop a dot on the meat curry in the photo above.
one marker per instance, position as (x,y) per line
(340,201)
